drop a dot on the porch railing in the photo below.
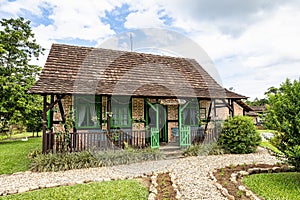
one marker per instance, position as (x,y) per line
(99,140)
(199,136)
(116,139)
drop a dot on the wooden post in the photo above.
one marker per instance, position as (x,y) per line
(232,105)
(215,109)
(215,116)
(208,116)
(51,112)
(44,148)
(61,108)
(108,110)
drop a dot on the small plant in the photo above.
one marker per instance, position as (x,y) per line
(34,153)
(231,166)
(239,135)
(222,172)
(239,194)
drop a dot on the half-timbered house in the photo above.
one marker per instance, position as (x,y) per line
(116,97)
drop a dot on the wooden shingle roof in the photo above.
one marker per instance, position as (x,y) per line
(86,70)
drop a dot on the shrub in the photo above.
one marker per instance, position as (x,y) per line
(86,159)
(239,135)
(63,161)
(204,149)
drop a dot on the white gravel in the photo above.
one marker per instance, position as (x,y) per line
(191,174)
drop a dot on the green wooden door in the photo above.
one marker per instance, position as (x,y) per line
(156,120)
(185,136)
(154,137)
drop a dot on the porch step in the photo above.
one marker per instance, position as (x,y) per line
(171,151)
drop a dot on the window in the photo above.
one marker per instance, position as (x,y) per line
(87,109)
(191,114)
(120,108)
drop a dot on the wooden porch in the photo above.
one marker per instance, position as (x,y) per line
(116,139)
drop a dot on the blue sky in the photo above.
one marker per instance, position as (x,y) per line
(253,45)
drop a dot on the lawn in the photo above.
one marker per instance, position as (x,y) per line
(268,145)
(266,131)
(18,136)
(13,154)
(276,186)
(125,189)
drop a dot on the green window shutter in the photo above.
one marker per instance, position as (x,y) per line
(48,119)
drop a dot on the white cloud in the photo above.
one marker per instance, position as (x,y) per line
(254,43)
(73,19)
(144,19)
(15,8)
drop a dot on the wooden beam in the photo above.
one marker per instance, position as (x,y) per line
(44,148)
(215,109)
(227,105)
(232,106)
(61,108)
(51,105)
(208,116)
(51,112)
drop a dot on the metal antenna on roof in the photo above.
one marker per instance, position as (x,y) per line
(131,42)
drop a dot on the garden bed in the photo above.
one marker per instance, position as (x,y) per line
(230,178)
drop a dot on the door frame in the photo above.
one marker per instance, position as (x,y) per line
(156,107)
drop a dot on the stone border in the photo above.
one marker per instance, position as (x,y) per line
(153,190)
(52,185)
(241,174)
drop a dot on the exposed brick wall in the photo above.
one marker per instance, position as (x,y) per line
(138,113)
(172,112)
(138,108)
(67,106)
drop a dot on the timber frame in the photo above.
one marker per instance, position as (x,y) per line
(51,101)
(73,70)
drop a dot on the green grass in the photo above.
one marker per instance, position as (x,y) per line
(125,189)
(276,186)
(13,154)
(266,131)
(268,145)
(18,136)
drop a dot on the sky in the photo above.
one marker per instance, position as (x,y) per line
(251,45)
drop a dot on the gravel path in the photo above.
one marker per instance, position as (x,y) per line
(191,173)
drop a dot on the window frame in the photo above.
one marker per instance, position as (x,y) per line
(120,117)
(192,105)
(98,106)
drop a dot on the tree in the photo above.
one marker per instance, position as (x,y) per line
(17,48)
(283,115)
(257,102)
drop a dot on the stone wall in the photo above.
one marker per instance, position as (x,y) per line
(68,107)
(238,110)
(172,115)
(138,114)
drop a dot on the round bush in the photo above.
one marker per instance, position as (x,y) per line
(239,135)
